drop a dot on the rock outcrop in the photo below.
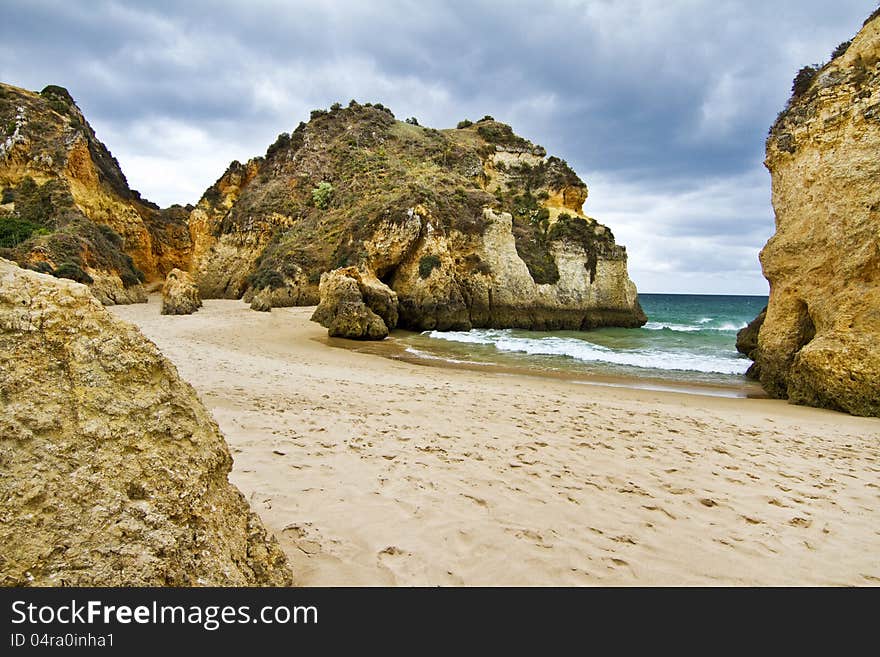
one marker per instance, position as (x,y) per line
(113,471)
(262,301)
(356,305)
(67,209)
(820,341)
(289,290)
(747,342)
(471,227)
(180,294)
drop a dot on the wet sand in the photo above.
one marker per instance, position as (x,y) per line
(373,470)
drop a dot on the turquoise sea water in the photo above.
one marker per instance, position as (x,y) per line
(688,339)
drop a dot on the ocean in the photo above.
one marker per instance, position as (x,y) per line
(689,339)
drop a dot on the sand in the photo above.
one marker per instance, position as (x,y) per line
(373,471)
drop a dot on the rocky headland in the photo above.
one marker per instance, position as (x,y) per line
(469,227)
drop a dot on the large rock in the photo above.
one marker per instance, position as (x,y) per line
(453,280)
(113,471)
(820,341)
(472,227)
(747,338)
(356,305)
(180,295)
(262,301)
(292,289)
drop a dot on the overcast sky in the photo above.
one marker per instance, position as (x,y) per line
(662,107)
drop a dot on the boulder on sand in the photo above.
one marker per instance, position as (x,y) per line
(180,294)
(356,305)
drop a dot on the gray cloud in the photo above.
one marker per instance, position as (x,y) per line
(661,107)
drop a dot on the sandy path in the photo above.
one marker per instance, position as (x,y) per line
(373,471)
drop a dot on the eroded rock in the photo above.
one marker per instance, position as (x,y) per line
(180,294)
(356,305)
(747,343)
(113,471)
(820,341)
(495,236)
(262,301)
(54,166)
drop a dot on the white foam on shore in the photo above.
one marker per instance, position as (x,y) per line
(588,352)
(688,328)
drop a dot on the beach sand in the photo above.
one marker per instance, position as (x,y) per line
(374,471)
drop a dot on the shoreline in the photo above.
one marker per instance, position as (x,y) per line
(376,471)
(391,349)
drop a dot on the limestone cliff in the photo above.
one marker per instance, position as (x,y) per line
(820,341)
(67,208)
(471,227)
(113,471)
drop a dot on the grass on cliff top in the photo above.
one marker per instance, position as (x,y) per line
(377,168)
(804,91)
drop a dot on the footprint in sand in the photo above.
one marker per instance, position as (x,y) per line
(629,540)
(476,500)
(661,509)
(532,536)
(800,522)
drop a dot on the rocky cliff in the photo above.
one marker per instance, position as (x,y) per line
(820,341)
(67,208)
(113,471)
(470,227)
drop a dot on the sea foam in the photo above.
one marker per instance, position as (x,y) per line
(585,351)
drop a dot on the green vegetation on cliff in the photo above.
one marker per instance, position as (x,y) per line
(46,222)
(351,169)
(360,168)
(861,74)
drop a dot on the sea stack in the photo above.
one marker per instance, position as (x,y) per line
(114,474)
(470,227)
(820,341)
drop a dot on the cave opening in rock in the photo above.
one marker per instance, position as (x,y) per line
(806,329)
(387,275)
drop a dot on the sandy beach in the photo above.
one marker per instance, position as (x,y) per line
(373,471)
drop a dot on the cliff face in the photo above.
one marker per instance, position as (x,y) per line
(470,227)
(820,341)
(67,208)
(114,474)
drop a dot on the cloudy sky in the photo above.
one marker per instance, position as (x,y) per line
(661,106)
